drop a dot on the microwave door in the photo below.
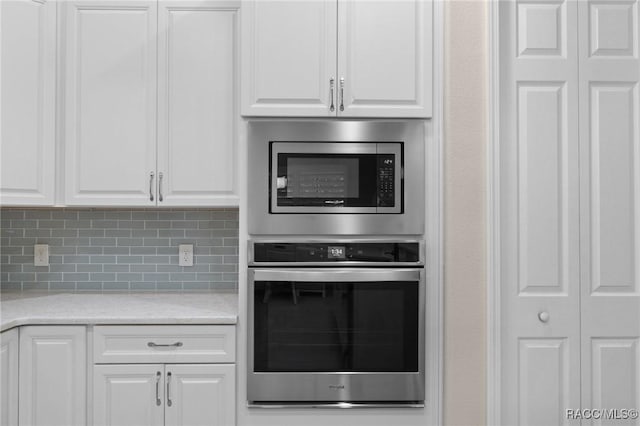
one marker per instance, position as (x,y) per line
(327,177)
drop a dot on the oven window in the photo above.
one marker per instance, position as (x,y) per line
(336,327)
(323,179)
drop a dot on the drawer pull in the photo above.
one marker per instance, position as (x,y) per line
(159,345)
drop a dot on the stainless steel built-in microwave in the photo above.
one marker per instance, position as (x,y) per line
(336,177)
(325,178)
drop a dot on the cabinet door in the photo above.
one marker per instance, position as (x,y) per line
(128,394)
(9,377)
(28,58)
(52,375)
(197,126)
(385,58)
(110,103)
(200,395)
(288,57)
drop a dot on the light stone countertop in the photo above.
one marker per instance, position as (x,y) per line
(28,308)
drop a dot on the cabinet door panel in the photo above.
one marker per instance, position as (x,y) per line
(384,56)
(9,377)
(52,376)
(200,394)
(28,46)
(197,110)
(289,56)
(128,394)
(110,103)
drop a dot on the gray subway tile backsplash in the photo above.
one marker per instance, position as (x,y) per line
(118,249)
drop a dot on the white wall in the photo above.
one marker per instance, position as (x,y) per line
(465,93)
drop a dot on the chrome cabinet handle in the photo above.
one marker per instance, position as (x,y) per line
(331,87)
(151,186)
(160,175)
(341,93)
(169,402)
(161,345)
(158,401)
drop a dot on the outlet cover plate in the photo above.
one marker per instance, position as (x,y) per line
(185,254)
(41,255)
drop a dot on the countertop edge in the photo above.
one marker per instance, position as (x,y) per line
(20,322)
(119,309)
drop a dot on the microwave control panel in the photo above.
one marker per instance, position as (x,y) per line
(386,179)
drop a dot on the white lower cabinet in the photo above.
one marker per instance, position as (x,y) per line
(150,389)
(9,377)
(52,370)
(157,394)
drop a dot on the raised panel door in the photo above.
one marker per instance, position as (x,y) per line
(9,377)
(110,102)
(539,191)
(288,57)
(52,376)
(28,58)
(200,394)
(197,126)
(128,394)
(385,58)
(610,205)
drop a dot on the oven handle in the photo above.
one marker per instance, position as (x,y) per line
(337,275)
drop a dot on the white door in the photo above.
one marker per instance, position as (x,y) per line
(197,125)
(28,61)
(9,377)
(128,394)
(289,57)
(540,246)
(570,210)
(200,394)
(53,367)
(384,58)
(610,204)
(110,102)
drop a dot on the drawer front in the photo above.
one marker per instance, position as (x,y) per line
(164,344)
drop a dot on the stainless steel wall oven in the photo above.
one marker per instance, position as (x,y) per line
(336,177)
(336,323)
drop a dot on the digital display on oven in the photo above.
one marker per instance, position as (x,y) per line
(336,252)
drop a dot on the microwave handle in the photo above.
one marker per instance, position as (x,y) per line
(337,275)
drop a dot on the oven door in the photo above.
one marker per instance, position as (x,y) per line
(326,336)
(336,177)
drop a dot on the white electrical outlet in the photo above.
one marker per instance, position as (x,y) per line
(41,255)
(185,254)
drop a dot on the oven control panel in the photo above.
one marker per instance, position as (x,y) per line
(330,252)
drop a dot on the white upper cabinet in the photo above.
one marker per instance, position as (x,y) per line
(337,58)
(197,123)
(151,114)
(110,102)
(28,62)
(384,58)
(289,58)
